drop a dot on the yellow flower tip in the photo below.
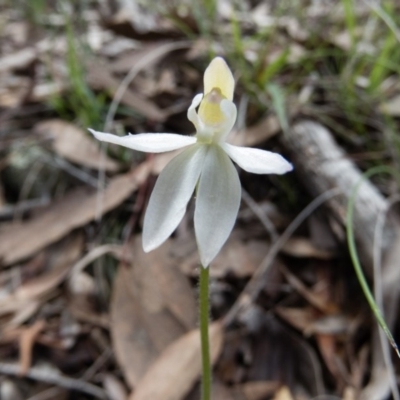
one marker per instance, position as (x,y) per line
(219,76)
(218,85)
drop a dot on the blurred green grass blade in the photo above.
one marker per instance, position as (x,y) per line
(81,104)
(273,68)
(237,35)
(381,68)
(211,8)
(350,19)
(386,15)
(278,102)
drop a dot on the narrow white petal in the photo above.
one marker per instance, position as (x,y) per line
(192,114)
(257,161)
(148,142)
(170,196)
(230,111)
(217,203)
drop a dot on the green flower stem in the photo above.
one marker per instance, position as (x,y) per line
(205,343)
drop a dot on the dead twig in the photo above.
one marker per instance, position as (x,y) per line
(93,255)
(47,394)
(258,280)
(53,377)
(260,214)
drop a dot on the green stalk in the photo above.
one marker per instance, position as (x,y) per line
(354,255)
(205,344)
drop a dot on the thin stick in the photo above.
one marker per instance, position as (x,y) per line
(257,282)
(44,374)
(259,213)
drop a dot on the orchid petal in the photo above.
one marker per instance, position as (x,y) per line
(192,114)
(148,142)
(257,161)
(218,75)
(170,196)
(230,111)
(217,203)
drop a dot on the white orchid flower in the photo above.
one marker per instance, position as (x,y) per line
(205,164)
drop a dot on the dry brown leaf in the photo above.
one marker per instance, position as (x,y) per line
(391,107)
(283,394)
(262,131)
(11,390)
(318,300)
(236,257)
(60,261)
(165,83)
(75,144)
(304,248)
(23,57)
(178,367)
(114,387)
(134,21)
(41,285)
(25,299)
(328,348)
(258,133)
(74,210)
(127,60)
(321,234)
(258,390)
(19,59)
(2,198)
(133,346)
(14,90)
(44,91)
(23,310)
(331,324)
(343,40)
(350,393)
(162,159)
(100,78)
(27,340)
(221,392)
(152,305)
(82,290)
(300,318)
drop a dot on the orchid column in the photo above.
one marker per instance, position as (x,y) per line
(205,164)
